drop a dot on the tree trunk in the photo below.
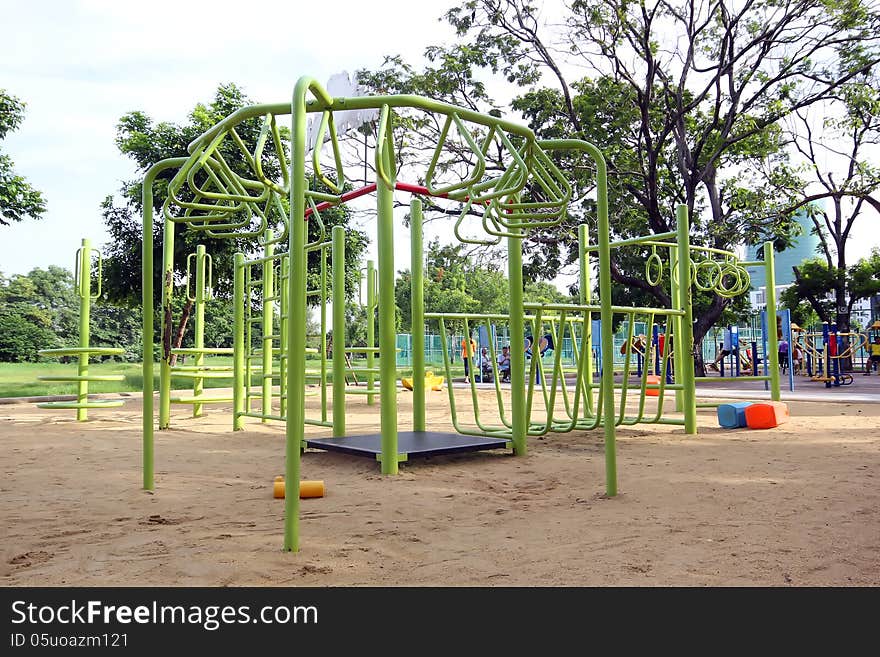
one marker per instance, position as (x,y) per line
(181,330)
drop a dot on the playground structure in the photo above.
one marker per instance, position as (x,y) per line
(530,191)
(825,351)
(84,271)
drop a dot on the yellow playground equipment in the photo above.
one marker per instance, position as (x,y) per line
(431,381)
(824,352)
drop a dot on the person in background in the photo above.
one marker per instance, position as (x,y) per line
(468,351)
(783,354)
(796,358)
(504,364)
(874,360)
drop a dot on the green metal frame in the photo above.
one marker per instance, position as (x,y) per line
(207,196)
(83,286)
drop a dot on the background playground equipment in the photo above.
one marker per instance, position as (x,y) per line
(83,274)
(826,350)
(199,277)
(529,191)
(308,488)
(738,272)
(432,382)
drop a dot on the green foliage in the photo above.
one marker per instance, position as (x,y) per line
(18,199)
(686,101)
(20,339)
(40,310)
(816,284)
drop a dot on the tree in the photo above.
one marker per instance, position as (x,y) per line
(18,199)
(684,97)
(26,320)
(816,284)
(838,168)
(147,142)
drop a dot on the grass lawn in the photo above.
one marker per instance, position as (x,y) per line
(20,379)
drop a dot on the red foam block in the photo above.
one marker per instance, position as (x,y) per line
(766,415)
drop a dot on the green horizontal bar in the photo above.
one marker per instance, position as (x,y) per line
(88,377)
(98,403)
(76,351)
(263,417)
(202,368)
(634,240)
(204,350)
(201,375)
(200,400)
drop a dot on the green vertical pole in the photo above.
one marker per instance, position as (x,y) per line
(84,263)
(518,424)
(268,316)
(147,337)
(371,327)
(199,384)
(338,295)
(239,346)
(296,342)
(323,253)
(773,341)
(675,298)
(417,299)
(282,340)
(586,298)
(684,347)
(147,330)
(607,321)
(167,324)
(387,315)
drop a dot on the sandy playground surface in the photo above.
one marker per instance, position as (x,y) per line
(797,505)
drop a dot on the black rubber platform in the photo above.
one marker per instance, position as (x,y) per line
(411,443)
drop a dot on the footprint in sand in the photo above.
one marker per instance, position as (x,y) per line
(30,558)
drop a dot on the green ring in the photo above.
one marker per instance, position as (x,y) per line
(654,257)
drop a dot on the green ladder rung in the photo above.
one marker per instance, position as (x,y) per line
(98,403)
(87,377)
(201,400)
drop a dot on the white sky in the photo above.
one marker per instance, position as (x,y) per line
(82,64)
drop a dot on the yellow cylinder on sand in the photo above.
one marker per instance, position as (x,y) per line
(313,488)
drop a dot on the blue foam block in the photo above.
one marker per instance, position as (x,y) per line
(733,416)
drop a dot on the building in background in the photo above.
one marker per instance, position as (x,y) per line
(803,247)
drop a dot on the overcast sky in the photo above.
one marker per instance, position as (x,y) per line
(81,64)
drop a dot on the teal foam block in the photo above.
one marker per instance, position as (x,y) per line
(733,416)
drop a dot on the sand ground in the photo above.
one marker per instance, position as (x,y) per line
(797,505)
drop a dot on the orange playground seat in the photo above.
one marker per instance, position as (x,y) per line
(766,415)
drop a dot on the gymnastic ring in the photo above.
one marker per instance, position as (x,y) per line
(744,281)
(721,288)
(693,273)
(714,268)
(655,262)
